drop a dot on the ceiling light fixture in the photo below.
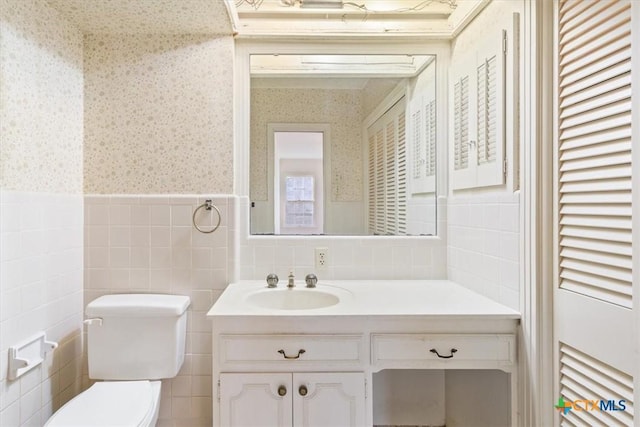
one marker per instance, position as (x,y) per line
(321,4)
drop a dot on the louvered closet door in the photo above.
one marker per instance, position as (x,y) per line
(594,304)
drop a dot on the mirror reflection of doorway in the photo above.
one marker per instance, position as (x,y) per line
(298,182)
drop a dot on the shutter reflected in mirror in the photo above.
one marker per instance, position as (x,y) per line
(388,172)
(380,184)
(402,175)
(418,152)
(371,193)
(430,133)
(390,177)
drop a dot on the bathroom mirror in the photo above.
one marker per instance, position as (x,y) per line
(342,144)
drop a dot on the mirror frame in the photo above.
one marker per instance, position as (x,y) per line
(387,46)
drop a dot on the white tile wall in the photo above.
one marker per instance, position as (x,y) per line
(484,245)
(421,215)
(350,257)
(147,244)
(41,267)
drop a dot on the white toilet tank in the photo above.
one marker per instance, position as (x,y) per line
(136,336)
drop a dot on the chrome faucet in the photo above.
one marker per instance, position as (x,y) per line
(291,284)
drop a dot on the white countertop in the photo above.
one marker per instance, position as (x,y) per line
(438,298)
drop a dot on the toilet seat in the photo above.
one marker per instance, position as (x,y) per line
(110,404)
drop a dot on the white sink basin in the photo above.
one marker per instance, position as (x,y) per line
(292,299)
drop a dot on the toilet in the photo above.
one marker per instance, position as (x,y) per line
(134,341)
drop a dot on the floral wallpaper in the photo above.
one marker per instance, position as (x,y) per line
(146,16)
(40,99)
(158,114)
(41,205)
(341,109)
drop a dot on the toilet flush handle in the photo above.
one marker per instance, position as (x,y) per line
(97,320)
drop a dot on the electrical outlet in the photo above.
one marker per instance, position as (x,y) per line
(322,258)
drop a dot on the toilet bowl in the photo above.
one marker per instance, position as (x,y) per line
(133,341)
(111,404)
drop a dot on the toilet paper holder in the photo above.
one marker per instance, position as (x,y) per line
(28,354)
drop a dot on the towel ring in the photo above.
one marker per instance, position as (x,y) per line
(208,206)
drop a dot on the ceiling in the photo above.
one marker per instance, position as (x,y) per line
(265,19)
(275,18)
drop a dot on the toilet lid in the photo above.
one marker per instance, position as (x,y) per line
(117,403)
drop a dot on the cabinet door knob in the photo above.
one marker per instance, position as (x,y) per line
(282,391)
(303,390)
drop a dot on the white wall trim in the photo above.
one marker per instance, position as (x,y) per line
(536,343)
(535,362)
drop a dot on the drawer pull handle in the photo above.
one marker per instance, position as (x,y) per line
(282,391)
(453,350)
(297,356)
(303,390)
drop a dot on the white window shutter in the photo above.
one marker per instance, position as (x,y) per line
(594,150)
(490,116)
(461,123)
(462,126)
(478,116)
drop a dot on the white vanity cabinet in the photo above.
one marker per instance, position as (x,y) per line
(290,380)
(292,399)
(331,366)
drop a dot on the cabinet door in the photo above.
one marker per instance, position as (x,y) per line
(328,399)
(255,400)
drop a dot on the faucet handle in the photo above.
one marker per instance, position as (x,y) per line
(272,280)
(311,280)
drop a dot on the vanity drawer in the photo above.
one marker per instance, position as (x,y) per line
(290,350)
(439,351)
